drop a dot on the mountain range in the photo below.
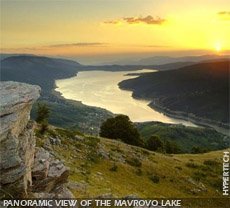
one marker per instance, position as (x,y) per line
(160,60)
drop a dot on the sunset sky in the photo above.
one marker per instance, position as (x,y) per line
(96,28)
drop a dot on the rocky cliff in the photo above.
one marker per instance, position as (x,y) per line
(26,170)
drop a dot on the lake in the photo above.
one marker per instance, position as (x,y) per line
(100,89)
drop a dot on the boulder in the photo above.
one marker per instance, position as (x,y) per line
(48,172)
(41,164)
(16,103)
(17,141)
(26,170)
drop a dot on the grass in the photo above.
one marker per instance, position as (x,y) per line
(133,170)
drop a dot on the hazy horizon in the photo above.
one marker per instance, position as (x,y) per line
(94,32)
(110,59)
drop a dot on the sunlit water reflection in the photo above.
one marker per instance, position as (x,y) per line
(100,89)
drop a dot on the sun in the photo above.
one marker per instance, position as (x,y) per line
(218,47)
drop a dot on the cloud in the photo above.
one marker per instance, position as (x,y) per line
(150,20)
(84,44)
(56,46)
(157,46)
(112,22)
(224,15)
(147,20)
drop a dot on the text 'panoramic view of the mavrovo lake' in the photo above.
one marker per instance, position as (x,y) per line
(100,89)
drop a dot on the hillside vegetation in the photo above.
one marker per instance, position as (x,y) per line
(201,89)
(110,168)
(188,139)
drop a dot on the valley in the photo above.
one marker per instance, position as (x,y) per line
(100,89)
(103,167)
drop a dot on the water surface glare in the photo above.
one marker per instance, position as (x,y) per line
(100,89)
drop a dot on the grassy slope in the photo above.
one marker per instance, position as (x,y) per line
(185,137)
(91,159)
(201,89)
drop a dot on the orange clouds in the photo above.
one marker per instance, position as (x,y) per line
(78,45)
(150,20)
(147,20)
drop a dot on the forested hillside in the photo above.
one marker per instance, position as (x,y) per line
(201,89)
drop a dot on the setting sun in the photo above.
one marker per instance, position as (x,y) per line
(218,46)
(101,29)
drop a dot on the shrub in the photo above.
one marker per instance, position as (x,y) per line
(44,126)
(154,143)
(197,150)
(120,127)
(92,142)
(134,162)
(154,178)
(139,172)
(92,156)
(42,117)
(191,165)
(217,183)
(211,163)
(114,168)
(43,113)
(178,167)
(205,168)
(198,175)
(172,148)
(117,149)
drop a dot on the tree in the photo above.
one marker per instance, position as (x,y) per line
(120,127)
(172,148)
(154,143)
(43,113)
(197,150)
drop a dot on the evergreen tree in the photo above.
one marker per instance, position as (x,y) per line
(43,113)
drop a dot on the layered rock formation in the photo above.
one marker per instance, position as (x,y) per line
(26,171)
(48,174)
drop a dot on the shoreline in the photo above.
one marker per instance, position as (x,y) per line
(218,126)
(156,105)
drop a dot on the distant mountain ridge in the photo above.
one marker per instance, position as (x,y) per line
(37,70)
(160,60)
(6,55)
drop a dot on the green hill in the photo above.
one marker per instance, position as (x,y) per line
(188,139)
(109,168)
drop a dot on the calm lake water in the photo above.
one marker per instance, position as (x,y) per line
(100,89)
